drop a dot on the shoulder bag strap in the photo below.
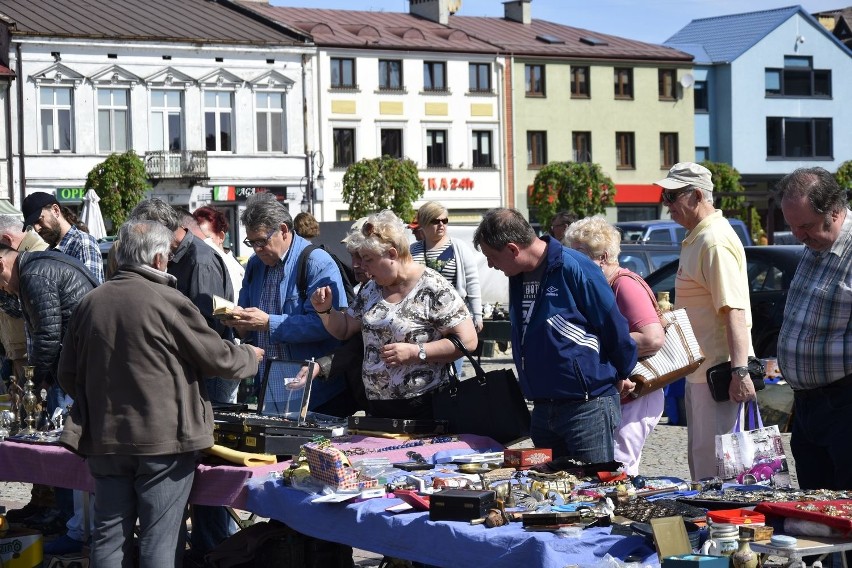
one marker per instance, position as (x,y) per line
(647,289)
(302,271)
(477,368)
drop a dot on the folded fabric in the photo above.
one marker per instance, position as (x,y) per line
(241,458)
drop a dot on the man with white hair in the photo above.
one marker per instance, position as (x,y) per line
(712,284)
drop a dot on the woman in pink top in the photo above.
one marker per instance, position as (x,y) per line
(601,242)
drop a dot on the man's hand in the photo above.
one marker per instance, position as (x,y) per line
(258,353)
(741,390)
(250,319)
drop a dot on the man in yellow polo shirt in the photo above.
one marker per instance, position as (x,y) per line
(712,284)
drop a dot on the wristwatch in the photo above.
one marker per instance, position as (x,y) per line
(422,353)
(741,372)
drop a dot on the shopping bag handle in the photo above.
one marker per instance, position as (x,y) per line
(748,416)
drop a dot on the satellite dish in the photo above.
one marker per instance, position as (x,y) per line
(687,81)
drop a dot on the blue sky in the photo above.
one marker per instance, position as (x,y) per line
(653,21)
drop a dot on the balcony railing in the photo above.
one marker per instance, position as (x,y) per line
(185,164)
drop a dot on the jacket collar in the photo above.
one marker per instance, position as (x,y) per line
(150,273)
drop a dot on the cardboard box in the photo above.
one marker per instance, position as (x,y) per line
(696,561)
(21,549)
(524,458)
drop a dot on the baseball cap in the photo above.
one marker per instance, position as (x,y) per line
(685,174)
(414,225)
(354,229)
(33,204)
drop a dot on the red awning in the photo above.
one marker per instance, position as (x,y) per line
(630,193)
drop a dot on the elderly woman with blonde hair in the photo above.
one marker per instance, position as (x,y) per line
(601,242)
(405,313)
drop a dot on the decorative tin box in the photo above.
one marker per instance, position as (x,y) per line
(525,458)
(460,504)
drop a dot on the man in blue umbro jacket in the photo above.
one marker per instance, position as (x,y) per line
(570,343)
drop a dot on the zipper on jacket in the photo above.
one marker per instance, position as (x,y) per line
(582,378)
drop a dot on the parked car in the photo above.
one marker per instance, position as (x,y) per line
(666,231)
(770,271)
(643,259)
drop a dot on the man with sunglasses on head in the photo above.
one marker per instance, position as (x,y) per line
(712,284)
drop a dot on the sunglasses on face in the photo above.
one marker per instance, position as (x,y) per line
(670,196)
(443,221)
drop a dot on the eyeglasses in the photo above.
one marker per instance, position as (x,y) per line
(670,196)
(556,226)
(443,221)
(260,243)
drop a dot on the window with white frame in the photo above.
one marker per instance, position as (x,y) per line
(343,140)
(218,121)
(390,75)
(55,105)
(482,151)
(271,124)
(113,120)
(436,149)
(391,140)
(166,120)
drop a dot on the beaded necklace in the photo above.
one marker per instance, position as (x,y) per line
(356,451)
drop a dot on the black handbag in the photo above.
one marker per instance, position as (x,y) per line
(719,378)
(489,404)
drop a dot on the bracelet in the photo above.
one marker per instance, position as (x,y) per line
(328,311)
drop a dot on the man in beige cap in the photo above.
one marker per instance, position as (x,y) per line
(712,285)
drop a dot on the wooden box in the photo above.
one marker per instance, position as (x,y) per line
(524,458)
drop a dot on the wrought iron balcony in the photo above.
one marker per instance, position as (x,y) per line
(184,164)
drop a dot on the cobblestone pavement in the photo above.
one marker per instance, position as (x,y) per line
(664,455)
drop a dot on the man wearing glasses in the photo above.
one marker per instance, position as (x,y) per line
(560,223)
(274,316)
(712,284)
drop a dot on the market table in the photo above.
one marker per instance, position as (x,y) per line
(54,465)
(412,536)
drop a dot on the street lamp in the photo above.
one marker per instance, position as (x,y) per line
(315,181)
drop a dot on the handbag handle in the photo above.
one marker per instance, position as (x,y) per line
(477,368)
(637,278)
(751,420)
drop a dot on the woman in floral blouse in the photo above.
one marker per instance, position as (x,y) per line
(404,313)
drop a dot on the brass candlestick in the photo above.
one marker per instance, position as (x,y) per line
(30,402)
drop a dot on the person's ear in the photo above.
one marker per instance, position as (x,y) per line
(284,229)
(514,249)
(6,239)
(393,254)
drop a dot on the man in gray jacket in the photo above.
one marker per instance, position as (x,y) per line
(140,413)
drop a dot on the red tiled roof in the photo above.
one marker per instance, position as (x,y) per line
(401,30)
(383,30)
(6,72)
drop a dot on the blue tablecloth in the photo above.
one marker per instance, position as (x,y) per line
(413,536)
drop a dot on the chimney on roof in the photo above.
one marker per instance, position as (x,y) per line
(435,10)
(517,11)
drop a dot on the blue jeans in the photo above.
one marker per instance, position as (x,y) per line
(820,439)
(153,489)
(577,429)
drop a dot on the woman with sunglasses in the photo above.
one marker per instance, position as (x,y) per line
(451,258)
(601,242)
(404,313)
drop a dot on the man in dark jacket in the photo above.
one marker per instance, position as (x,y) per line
(141,412)
(49,285)
(570,343)
(200,274)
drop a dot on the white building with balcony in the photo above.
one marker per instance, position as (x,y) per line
(210,98)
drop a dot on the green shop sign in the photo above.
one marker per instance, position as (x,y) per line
(70,194)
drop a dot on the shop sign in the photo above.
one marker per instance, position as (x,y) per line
(70,194)
(447,184)
(241,193)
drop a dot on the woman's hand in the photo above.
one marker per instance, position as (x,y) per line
(321,299)
(625,387)
(396,354)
